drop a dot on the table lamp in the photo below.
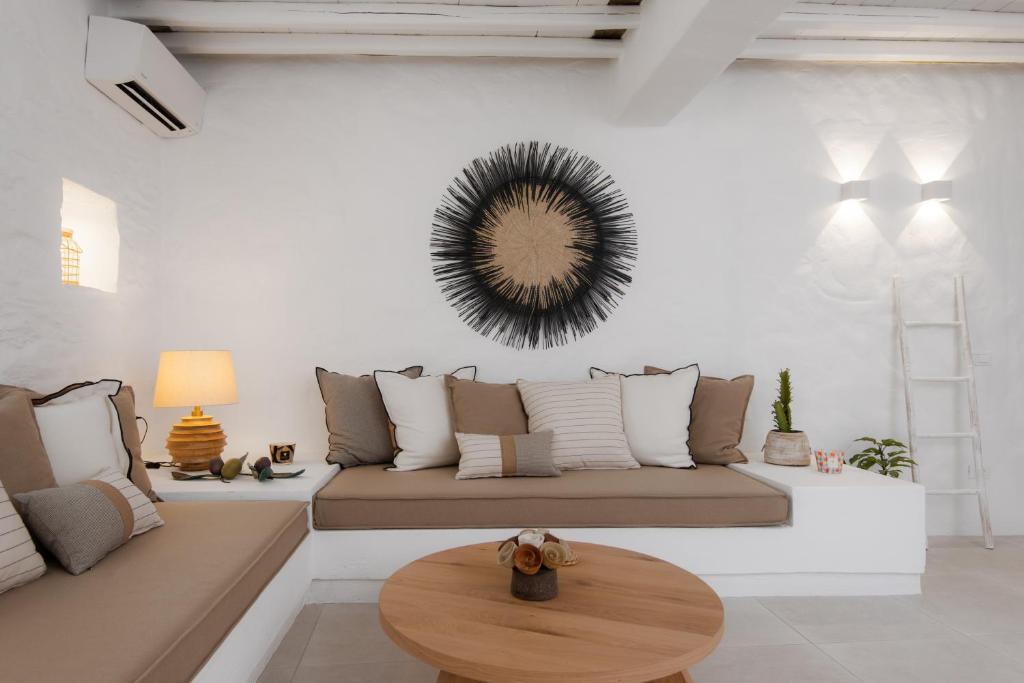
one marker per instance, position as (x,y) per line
(195,378)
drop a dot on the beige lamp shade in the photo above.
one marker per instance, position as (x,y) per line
(195,378)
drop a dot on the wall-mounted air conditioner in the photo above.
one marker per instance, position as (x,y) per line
(132,67)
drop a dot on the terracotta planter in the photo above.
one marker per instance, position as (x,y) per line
(787,448)
(540,586)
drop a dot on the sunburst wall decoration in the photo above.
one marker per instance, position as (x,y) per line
(533,245)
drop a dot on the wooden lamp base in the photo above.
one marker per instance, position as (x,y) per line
(195,440)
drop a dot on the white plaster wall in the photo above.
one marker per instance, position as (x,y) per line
(54,125)
(297,226)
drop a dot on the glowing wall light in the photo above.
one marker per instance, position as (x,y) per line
(937,190)
(855,190)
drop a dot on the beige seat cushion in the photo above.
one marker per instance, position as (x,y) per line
(710,496)
(156,608)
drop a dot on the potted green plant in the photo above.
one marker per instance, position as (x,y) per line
(889,455)
(785,445)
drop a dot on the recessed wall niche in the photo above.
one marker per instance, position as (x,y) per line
(90,240)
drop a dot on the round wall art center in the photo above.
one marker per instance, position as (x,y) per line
(533,245)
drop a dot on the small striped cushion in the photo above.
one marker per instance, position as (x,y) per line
(586,418)
(81,523)
(20,563)
(519,455)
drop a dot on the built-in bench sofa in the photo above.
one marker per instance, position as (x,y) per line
(185,598)
(210,594)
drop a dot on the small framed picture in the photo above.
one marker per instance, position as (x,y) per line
(282,453)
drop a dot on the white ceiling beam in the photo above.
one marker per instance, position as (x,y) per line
(377,18)
(896,23)
(917,51)
(206,43)
(680,47)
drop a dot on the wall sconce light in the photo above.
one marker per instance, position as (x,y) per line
(938,190)
(857,190)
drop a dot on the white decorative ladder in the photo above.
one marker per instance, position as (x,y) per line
(967,364)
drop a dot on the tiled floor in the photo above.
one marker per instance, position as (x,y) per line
(967,627)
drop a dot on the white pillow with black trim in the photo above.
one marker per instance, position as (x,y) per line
(656,415)
(420,411)
(81,431)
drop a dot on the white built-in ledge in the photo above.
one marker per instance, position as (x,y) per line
(855,533)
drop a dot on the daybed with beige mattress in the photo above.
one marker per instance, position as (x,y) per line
(159,607)
(370,497)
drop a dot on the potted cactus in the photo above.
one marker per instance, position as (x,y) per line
(785,445)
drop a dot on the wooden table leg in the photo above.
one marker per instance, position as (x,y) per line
(681,677)
(445,677)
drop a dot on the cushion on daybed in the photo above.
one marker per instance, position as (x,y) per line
(156,608)
(711,496)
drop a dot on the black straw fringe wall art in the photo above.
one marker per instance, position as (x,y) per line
(533,245)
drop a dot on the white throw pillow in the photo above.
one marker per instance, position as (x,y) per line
(656,415)
(586,418)
(81,432)
(419,409)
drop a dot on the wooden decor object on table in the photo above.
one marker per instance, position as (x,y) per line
(619,616)
(195,440)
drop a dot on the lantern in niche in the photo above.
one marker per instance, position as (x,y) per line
(70,256)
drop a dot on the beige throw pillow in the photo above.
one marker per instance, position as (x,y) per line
(23,463)
(482,408)
(586,418)
(81,523)
(519,455)
(20,563)
(357,422)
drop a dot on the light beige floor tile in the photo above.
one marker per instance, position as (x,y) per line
(856,619)
(403,672)
(966,588)
(958,542)
(959,660)
(277,674)
(973,604)
(289,652)
(773,663)
(748,622)
(350,634)
(1010,644)
(1006,558)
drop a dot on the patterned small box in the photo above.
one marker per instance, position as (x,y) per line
(830,462)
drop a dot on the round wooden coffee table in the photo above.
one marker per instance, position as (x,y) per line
(619,616)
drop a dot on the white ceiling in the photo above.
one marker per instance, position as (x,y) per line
(664,52)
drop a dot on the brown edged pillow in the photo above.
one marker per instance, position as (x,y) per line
(24,466)
(124,404)
(81,523)
(357,422)
(482,408)
(717,414)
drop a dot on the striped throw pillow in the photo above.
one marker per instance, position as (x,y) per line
(81,523)
(20,563)
(586,418)
(520,455)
